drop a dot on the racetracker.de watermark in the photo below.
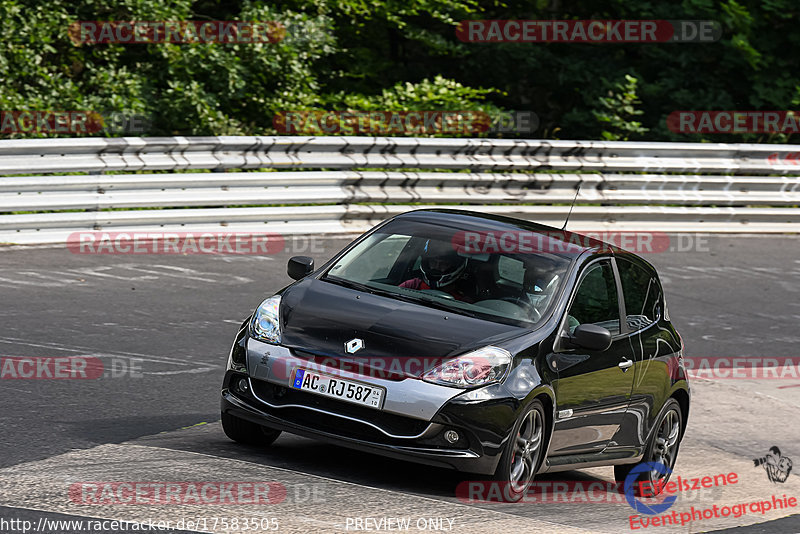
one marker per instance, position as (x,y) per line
(466,122)
(150,493)
(51,368)
(734,122)
(741,368)
(562,242)
(589,31)
(176,32)
(241,243)
(72,122)
(593,491)
(784,158)
(68,368)
(467,369)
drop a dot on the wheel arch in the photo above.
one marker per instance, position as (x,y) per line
(546,396)
(682,396)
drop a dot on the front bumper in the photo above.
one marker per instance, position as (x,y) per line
(410,426)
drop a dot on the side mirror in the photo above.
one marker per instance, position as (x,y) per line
(591,337)
(300,267)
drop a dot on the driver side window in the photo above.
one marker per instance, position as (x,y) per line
(596,300)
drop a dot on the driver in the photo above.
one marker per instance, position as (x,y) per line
(442,269)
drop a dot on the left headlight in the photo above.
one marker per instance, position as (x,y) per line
(477,368)
(266,324)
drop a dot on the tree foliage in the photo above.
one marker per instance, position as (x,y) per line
(403,55)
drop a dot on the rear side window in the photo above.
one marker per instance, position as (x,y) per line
(642,294)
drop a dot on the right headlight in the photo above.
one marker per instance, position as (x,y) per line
(477,368)
(266,324)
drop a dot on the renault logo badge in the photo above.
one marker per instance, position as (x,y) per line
(354,345)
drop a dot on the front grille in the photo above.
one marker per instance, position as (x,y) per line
(391,423)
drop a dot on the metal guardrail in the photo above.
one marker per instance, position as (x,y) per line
(636,186)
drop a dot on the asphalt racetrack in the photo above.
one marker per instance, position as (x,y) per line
(162,325)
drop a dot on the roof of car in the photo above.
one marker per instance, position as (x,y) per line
(483,222)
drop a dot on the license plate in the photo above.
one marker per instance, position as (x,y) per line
(339,388)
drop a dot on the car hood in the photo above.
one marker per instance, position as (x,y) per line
(320,317)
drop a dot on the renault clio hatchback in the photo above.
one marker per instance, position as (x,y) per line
(481,343)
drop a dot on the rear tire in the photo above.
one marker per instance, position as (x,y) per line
(522,454)
(662,448)
(242,431)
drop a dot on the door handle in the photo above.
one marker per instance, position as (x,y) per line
(625,365)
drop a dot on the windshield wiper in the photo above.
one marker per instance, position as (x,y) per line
(348,284)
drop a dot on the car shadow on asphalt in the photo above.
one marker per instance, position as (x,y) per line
(340,463)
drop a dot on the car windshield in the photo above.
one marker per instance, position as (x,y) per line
(429,264)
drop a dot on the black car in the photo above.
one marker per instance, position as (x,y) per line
(482,343)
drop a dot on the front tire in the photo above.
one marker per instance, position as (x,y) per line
(242,431)
(662,448)
(522,453)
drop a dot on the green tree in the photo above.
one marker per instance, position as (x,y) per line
(402,54)
(618,109)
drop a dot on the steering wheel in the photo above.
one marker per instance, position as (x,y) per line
(529,308)
(437,293)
